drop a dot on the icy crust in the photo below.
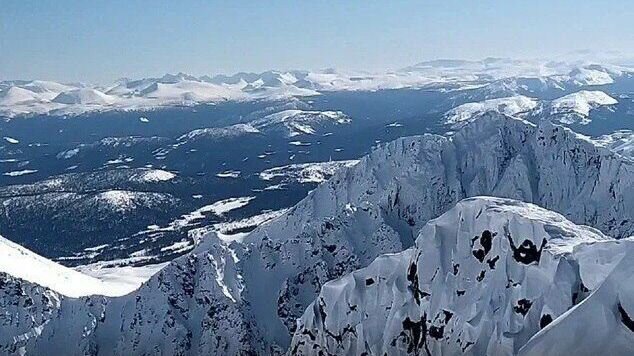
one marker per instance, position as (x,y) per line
(481,280)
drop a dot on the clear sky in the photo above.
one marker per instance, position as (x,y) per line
(99,41)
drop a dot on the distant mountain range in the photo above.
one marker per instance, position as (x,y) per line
(20,97)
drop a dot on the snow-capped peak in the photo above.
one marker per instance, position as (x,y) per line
(496,75)
(576,107)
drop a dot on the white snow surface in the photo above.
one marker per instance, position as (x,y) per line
(226,205)
(588,76)
(11,140)
(20,173)
(121,280)
(125,200)
(84,96)
(215,133)
(157,175)
(228,174)
(601,324)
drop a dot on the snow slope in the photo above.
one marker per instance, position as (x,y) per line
(16,95)
(84,96)
(601,324)
(19,262)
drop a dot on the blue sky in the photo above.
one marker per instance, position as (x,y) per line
(99,41)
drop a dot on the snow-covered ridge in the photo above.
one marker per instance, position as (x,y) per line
(124,200)
(19,262)
(228,297)
(84,96)
(111,143)
(609,311)
(226,205)
(574,108)
(214,133)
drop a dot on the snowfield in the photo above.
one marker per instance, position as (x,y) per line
(226,205)
(20,173)
(157,175)
(621,142)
